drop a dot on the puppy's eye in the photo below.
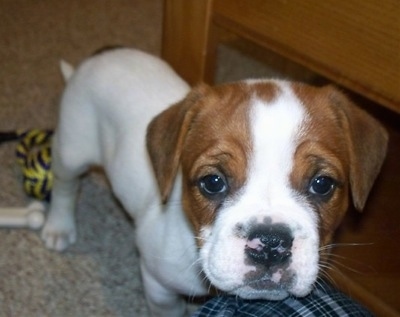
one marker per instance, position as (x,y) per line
(213,185)
(322,185)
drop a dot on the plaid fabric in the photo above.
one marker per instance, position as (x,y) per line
(323,301)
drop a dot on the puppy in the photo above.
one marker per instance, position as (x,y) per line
(235,187)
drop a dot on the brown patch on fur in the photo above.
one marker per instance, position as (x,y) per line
(165,137)
(266,91)
(207,133)
(219,141)
(341,141)
(313,158)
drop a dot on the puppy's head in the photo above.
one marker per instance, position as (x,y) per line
(267,169)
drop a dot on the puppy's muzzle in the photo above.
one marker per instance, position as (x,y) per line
(269,245)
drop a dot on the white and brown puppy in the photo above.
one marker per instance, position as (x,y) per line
(239,187)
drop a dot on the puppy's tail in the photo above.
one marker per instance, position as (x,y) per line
(67,70)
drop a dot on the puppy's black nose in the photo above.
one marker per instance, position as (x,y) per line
(269,245)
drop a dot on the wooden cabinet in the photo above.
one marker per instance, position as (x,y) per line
(353,43)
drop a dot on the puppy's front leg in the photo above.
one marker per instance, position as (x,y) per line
(59,230)
(161,301)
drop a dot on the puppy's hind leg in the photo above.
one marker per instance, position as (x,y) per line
(59,230)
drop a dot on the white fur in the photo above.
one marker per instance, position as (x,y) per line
(267,193)
(67,70)
(105,110)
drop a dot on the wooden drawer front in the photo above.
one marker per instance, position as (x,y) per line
(355,43)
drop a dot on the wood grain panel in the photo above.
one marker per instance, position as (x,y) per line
(186,37)
(355,43)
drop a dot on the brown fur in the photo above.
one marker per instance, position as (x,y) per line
(340,141)
(208,132)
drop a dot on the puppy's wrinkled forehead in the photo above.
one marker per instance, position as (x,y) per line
(224,119)
(246,134)
(228,121)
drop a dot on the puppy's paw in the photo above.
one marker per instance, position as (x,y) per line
(58,235)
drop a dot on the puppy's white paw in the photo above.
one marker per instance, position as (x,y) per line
(58,234)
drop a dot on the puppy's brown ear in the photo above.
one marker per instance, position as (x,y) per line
(368,144)
(165,138)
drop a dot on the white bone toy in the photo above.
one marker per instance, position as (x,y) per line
(31,217)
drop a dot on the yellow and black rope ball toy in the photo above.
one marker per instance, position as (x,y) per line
(34,156)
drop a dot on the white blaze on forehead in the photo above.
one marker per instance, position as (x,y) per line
(275,129)
(268,196)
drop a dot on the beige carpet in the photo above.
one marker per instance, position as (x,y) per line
(98,276)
